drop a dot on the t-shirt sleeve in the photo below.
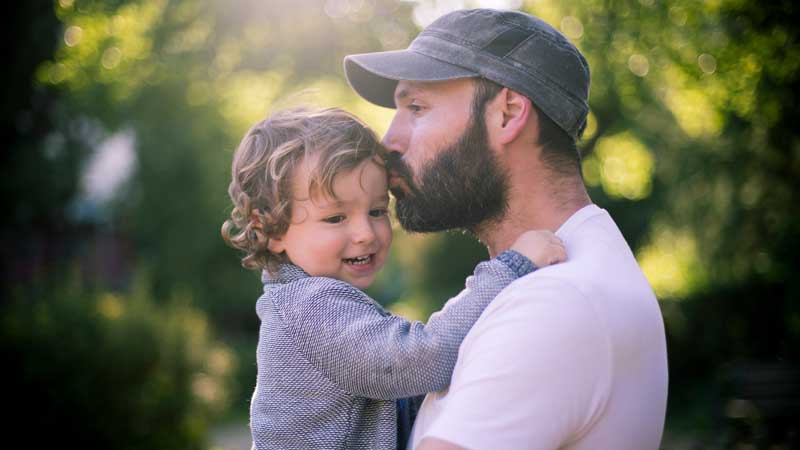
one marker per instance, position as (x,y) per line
(534,373)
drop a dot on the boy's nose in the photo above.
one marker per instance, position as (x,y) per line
(362,232)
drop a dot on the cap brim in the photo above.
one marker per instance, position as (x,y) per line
(374,76)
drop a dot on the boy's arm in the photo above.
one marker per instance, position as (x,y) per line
(371,353)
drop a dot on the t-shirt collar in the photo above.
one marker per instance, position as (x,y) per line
(577,219)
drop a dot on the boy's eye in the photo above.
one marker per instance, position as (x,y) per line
(378,212)
(333,219)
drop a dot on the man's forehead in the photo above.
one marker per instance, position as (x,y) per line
(406,88)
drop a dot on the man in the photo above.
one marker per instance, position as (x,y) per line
(489,107)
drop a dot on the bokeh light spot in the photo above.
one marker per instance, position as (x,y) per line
(572,27)
(110,306)
(58,72)
(694,112)
(623,165)
(639,65)
(707,63)
(670,262)
(111,57)
(73,36)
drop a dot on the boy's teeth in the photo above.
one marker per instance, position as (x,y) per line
(359,260)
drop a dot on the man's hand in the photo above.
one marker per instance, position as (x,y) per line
(437,444)
(540,246)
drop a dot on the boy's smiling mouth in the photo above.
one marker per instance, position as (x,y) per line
(360,260)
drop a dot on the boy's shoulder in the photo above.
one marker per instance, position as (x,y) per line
(316,292)
(312,285)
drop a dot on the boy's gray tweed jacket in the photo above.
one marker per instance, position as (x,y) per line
(331,361)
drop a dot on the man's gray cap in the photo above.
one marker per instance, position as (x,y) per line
(513,49)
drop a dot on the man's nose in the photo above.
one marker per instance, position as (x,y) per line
(395,139)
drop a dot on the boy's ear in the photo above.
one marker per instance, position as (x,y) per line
(257,218)
(275,245)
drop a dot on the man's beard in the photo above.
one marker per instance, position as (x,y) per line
(461,188)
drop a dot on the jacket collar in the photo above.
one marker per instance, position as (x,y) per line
(286,273)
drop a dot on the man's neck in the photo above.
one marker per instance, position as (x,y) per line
(536,205)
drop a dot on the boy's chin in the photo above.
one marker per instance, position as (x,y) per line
(363,279)
(363,283)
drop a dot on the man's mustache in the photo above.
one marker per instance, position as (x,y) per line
(398,167)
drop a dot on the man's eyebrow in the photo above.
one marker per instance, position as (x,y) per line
(404,92)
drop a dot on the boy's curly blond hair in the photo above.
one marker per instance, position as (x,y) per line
(263,165)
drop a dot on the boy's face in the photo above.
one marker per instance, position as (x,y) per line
(347,237)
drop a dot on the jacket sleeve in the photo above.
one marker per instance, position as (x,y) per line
(367,352)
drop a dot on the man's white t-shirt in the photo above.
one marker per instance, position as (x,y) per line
(570,357)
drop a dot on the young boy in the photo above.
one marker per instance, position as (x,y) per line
(311,210)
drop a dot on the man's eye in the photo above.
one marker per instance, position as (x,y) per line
(415,108)
(333,219)
(378,212)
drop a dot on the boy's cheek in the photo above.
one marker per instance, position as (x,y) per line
(389,234)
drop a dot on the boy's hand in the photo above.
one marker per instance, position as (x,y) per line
(542,247)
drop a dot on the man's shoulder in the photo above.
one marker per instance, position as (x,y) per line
(538,313)
(541,297)
(556,282)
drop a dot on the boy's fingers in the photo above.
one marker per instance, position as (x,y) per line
(560,255)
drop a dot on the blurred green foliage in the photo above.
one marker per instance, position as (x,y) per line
(102,370)
(692,146)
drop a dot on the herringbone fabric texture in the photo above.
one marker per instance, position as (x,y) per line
(332,361)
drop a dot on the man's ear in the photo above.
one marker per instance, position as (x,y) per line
(516,109)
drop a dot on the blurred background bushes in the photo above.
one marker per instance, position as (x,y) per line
(99,369)
(120,118)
